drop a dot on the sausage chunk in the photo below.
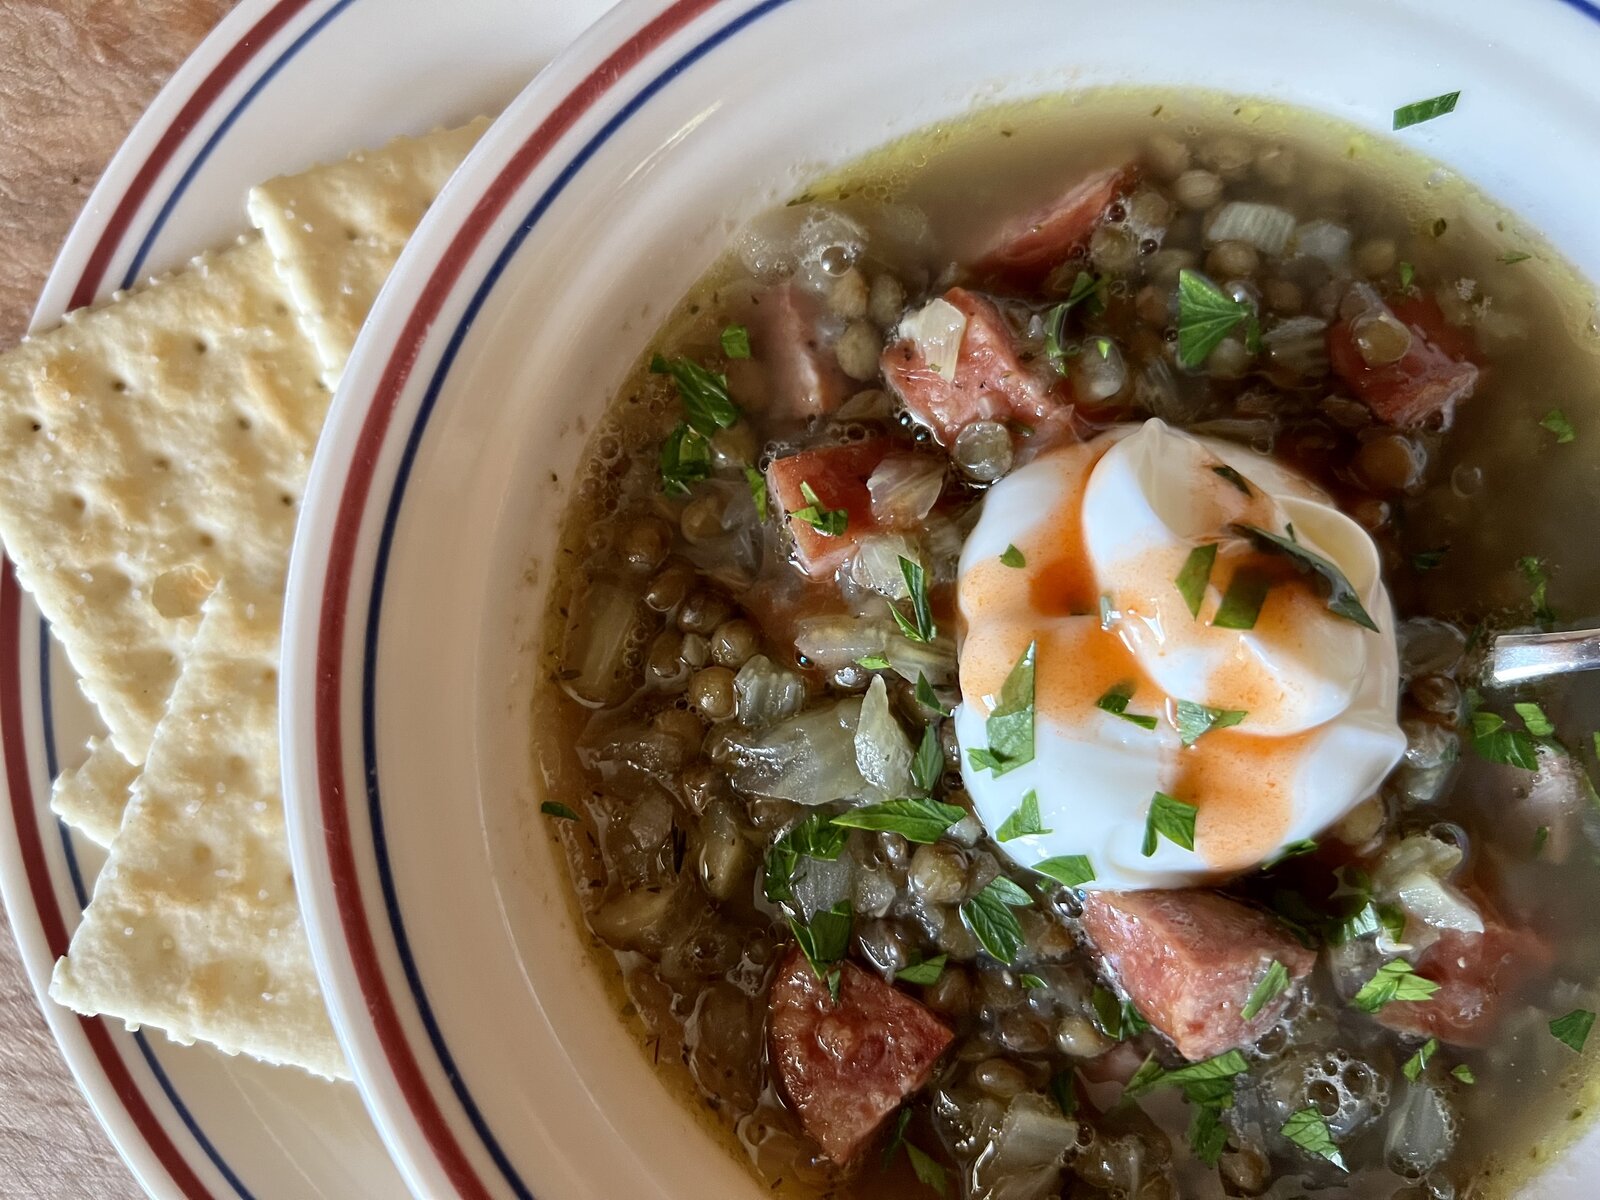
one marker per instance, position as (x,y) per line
(1025,250)
(1431,377)
(837,476)
(1188,960)
(992,382)
(803,377)
(1476,973)
(847,1066)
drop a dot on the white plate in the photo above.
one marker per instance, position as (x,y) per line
(486,1047)
(280,85)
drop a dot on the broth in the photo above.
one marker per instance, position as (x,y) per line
(663,600)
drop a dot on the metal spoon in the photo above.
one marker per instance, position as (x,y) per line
(1521,657)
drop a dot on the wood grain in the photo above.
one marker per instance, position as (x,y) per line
(74,76)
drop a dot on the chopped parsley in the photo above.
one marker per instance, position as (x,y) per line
(1541,835)
(1533,571)
(924,971)
(1556,422)
(928,762)
(1170,818)
(1010,725)
(1271,985)
(1025,822)
(1418,1062)
(706,404)
(830,522)
(554,808)
(922,629)
(1116,701)
(1429,560)
(1013,558)
(1533,717)
(873,662)
(1292,850)
(1573,1029)
(927,1171)
(928,698)
(1419,111)
(1193,719)
(814,837)
(1464,1073)
(1233,477)
(1195,575)
(1073,870)
(1208,1137)
(1342,598)
(988,915)
(736,341)
(685,460)
(1309,1131)
(1206,315)
(1407,274)
(917,820)
(1438,227)
(1241,603)
(1512,257)
(1209,1081)
(1031,982)
(1498,742)
(1396,980)
(758,490)
(1115,1018)
(825,938)
(1064,1091)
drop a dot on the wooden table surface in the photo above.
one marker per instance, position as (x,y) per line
(74,76)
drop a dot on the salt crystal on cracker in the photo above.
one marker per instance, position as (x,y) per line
(194,927)
(336,230)
(148,449)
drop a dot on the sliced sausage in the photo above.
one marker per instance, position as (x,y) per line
(992,381)
(1025,250)
(1476,974)
(1432,377)
(1189,960)
(837,475)
(803,376)
(846,1066)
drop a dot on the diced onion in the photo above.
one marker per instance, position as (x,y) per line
(1264,226)
(1023,1161)
(1324,240)
(876,565)
(1299,344)
(937,329)
(766,693)
(1412,874)
(883,752)
(807,759)
(905,487)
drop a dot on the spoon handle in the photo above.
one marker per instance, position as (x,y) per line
(1521,657)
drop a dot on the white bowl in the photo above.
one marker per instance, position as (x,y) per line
(481,1035)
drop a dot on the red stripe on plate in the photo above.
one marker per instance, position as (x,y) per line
(40,885)
(402,1060)
(189,116)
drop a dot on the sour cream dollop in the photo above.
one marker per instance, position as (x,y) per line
(1104,529)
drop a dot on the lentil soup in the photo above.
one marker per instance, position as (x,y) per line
(1015,709)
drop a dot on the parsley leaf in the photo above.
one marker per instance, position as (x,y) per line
(825,938)
(1425,110)
(1031,982)
(758,491)
(928,762)
(1170,818)
(685,459)
(923,630)
(1208,1137)
(1010,725)
(828,521)
(1533,571)
(1464,1073)
(1497,742)
(1342,601)
(1271,985)
(1241,603)
(927,697)
(1429,560)
(873,662)
(1396,980)
(1073,870)
(736,341)
(1013,558)
(1418,1062)
(917,820)
(1064,1091)
(1309,1131)
(923,971)
(1556,422)
(988,915)
(1116,701)
(1573,1029)
(554,808)
(1200,1075)
(928,1171)
(1206,315)
(706,403)
(814,837)
(1533,717)
(1195,719)
(1407,274)
(1024,822)
(1195,575)
(1233,477)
